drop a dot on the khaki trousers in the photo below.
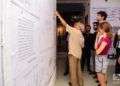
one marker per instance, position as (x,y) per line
(76,77)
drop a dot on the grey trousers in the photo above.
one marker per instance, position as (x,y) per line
(76,77)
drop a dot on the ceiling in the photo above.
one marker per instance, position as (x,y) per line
(73,1)
(71,7)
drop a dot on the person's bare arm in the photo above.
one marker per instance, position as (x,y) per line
(61,19)
(101,48)
(119,60)
(97,37)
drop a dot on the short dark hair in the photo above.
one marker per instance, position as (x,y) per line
(88,26)
(77,21)
(95,25)
(103,14)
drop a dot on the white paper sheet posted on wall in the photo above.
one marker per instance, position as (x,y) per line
(29,42)
(1,68)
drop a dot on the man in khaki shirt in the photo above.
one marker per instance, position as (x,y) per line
(76,43)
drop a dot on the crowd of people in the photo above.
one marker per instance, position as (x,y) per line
(84,46)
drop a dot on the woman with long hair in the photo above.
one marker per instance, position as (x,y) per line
(102,46)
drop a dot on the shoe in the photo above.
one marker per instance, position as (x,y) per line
(90,73)
(65,73)
(98,84)
(95,77)
(94,73)
(69,83)
(117,77)
(97,81)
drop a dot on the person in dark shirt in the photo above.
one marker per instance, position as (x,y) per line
(87,49)
(62,45)
(116,45)
(93,38)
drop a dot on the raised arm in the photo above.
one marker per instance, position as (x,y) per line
(61,19)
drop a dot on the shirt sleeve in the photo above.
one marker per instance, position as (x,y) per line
(81,40)
(106,40)
(69,28)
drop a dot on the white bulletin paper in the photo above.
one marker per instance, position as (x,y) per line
(29,42)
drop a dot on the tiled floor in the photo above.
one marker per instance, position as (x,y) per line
(88,79)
